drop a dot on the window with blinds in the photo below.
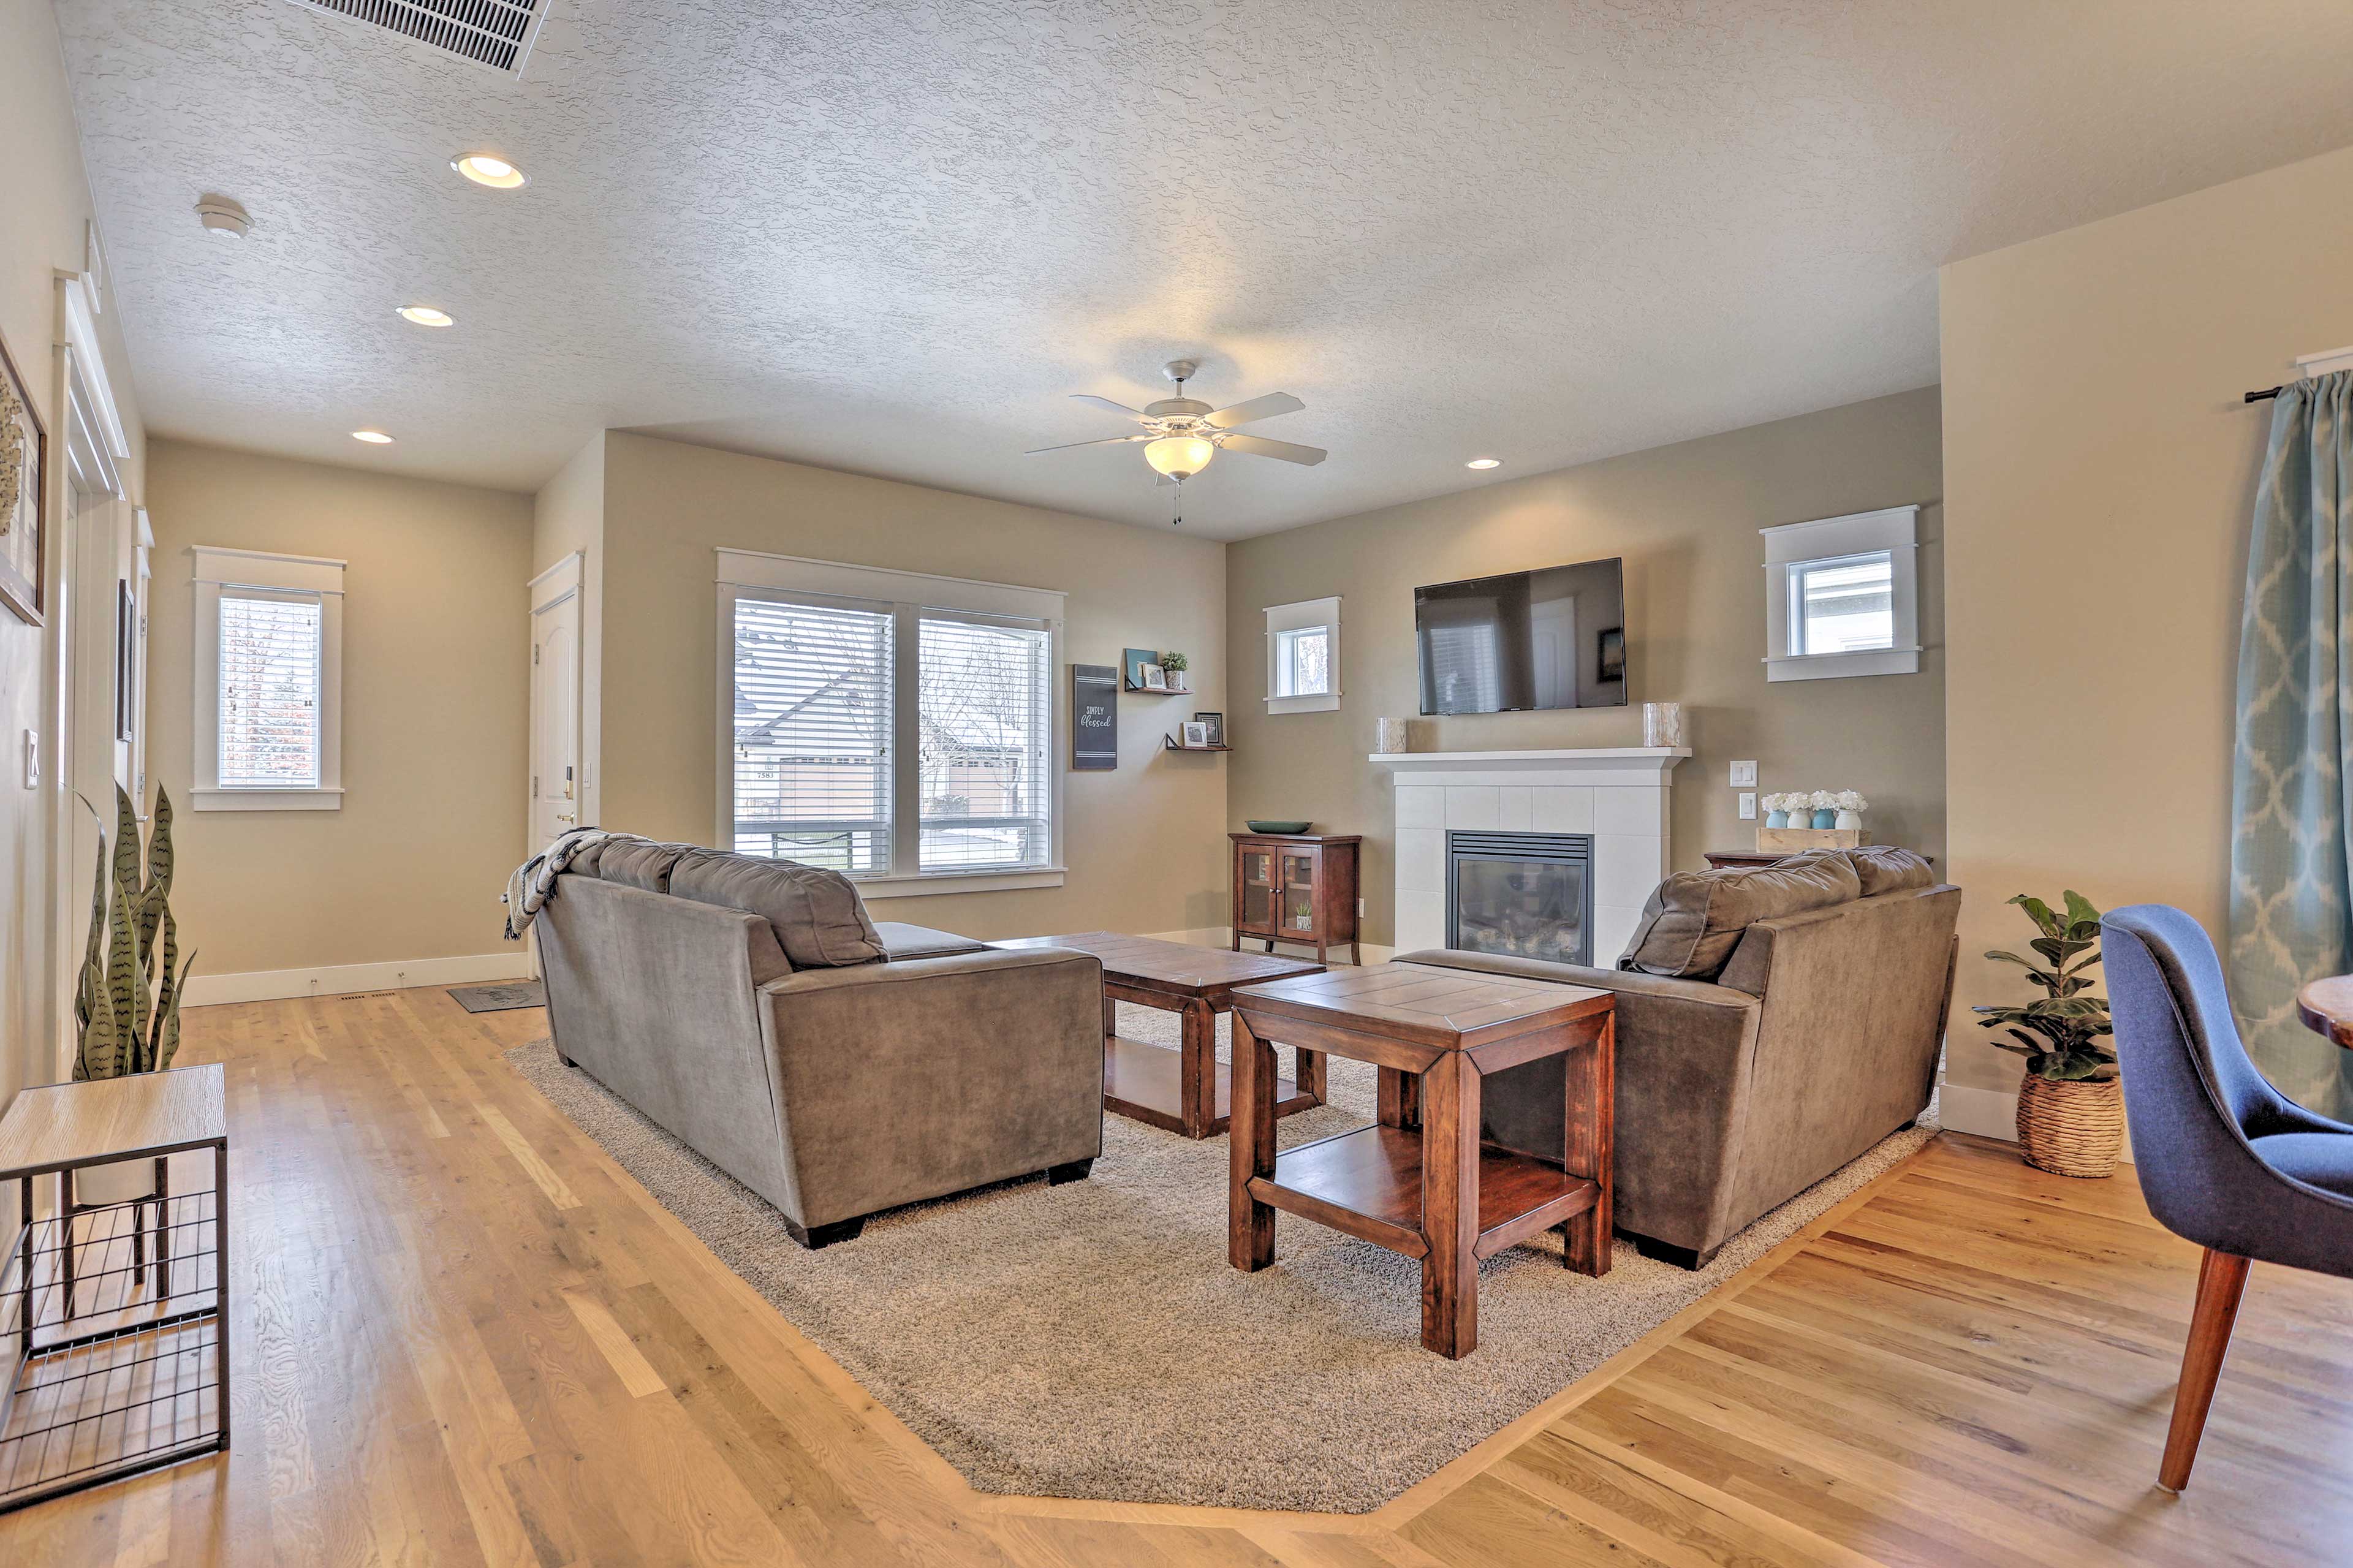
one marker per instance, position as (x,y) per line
(813,731)
(269,674)
(985,724)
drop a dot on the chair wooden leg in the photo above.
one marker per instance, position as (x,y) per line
(2221,1277)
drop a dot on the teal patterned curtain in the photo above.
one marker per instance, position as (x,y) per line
(2290,886)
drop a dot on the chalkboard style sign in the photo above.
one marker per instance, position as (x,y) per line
(1094,718)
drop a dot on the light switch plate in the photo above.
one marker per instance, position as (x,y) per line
(1744,775)
(1748,807)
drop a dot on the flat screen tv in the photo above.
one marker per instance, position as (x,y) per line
(1525,640)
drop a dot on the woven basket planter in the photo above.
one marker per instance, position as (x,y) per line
(2072,1129)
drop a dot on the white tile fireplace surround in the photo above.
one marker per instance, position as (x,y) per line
(1617,795)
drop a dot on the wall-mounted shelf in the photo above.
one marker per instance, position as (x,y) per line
(1172,743)
(1159,691)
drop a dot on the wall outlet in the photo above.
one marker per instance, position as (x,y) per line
(1360,909)
(1744,775)
(1748,807)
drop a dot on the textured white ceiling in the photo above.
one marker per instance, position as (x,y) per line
(892,238)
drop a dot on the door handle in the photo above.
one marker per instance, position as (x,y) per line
(565,816)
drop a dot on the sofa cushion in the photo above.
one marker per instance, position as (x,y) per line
(1693,919)
(1888,868)
(901,940)
(637,863)
(819,917)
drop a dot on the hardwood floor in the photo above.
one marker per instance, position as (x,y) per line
(464,1337)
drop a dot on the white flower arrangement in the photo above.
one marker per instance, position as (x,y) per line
(1851,800)
(1775,801)
(1823,800)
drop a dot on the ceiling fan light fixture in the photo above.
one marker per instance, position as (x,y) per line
(1180,457)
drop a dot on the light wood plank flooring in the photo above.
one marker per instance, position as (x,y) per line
(465,1337)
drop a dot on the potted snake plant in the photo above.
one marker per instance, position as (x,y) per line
(127,999)
(2071,1108)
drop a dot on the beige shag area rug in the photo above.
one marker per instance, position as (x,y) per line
(1091,1341)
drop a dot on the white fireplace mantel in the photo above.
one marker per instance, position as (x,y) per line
(1617,795)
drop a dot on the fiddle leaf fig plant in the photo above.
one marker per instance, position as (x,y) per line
(2059,1035)
(127,1022)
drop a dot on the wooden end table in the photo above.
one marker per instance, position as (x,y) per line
(1419,1181)
(1188,1090)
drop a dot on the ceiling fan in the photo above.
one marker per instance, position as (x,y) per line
(1182,434)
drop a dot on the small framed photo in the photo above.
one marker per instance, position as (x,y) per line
(1154,678)
(1196,733)
(1215,724)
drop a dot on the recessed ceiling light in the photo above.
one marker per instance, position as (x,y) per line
(485,169)
(223,218)
(1484,463)
(372,438)
(427,316)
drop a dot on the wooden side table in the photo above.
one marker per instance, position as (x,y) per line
(1188,1090)
(1419,1181)
(119,1361)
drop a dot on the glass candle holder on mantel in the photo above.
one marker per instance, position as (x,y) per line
(1662,724)
(1389,736)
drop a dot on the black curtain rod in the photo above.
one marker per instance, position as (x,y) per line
(2265,395)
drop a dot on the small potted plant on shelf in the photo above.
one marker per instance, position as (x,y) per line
(126,1001)
(2071,1108)
(1175,664)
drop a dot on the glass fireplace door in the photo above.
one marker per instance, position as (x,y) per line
(1522,895)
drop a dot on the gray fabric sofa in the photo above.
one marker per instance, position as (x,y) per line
(834,1091)
(1817,1038)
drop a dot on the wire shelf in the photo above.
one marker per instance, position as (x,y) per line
(110,1317)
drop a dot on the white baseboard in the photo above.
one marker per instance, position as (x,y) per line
(1988,1113)
(340,979)
(1220,936)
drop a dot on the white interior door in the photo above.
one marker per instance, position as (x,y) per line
(554,719)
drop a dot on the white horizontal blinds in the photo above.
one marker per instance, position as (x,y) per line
(270,655)
(984,733)
(813,686)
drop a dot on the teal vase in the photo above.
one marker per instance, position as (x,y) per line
(1776,819)
(1826,818)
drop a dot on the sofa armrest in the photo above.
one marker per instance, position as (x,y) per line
(902,1080)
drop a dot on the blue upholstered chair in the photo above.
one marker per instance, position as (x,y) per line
(2225,1160)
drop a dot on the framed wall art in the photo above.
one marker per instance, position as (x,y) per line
(24,495)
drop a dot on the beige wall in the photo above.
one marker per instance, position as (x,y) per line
(44,207)
(1685,519)
(436,697)
(1145,844)
(2100,477)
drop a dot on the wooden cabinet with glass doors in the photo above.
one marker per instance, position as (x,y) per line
(1296,887)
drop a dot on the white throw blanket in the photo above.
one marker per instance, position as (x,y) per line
(533,882)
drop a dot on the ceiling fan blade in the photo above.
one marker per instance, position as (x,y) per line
(1258,445)
(1106,403)
(1102,441)
(1266,407)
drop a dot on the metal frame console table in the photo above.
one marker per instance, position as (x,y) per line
(113,1323)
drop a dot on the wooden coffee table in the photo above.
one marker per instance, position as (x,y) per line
(1419,1181)
(1188,1090)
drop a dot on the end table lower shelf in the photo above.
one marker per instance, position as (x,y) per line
(1146,1083)
(1368,1182)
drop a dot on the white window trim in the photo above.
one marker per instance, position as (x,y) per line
(1291,618)
(216,569)
(1895,530)
(907,594)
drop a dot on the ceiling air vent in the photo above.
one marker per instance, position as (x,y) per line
(494,33)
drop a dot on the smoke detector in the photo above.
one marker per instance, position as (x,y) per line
(223,218)
(498,34)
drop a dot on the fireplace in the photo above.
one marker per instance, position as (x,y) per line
(1527,895)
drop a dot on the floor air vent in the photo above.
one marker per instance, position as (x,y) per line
(493,33)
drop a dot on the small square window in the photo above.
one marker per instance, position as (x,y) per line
(1303,662)
(1846,604)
